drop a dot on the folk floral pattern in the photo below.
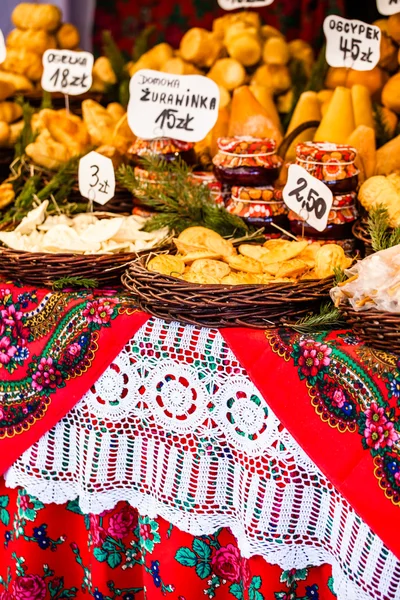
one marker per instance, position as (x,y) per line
(45,340)
(355,389)
(56,552)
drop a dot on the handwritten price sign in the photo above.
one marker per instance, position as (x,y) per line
(3,50)
(184,107)
(388,7)
(351,43)
(96,178)
(67,71)
(308,197)
(232,4)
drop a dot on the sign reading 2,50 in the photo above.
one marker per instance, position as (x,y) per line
(313,201)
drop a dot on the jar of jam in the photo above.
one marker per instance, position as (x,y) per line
(145,177)
(247,161)
(208,179)
(259,206)
(166,148)
(340,222)
(331,163)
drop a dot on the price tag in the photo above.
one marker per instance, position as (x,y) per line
(388,7)
(351,43)
(3,50)
(308,197)
(67,71)
(232,4)
(96,178)
(184,107)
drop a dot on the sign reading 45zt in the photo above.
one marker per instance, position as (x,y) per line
(308,197)
(351,43)
(184,107)
(388,7)
(67,71)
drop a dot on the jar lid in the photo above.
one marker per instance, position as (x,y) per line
(262,194)
(325,153)
(163,145)
(203,177)
(246,145)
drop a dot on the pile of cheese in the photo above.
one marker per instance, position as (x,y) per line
(82,234)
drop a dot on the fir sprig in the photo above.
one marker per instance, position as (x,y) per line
(319,72)
(328,318)
(81,282)
(142,42)
(177,200)
(383,135)
(299,84)
(27,135)
(382,236)
(114,55)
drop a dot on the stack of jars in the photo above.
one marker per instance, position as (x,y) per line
(168,149)
(248,168)
(332,164)
(209,180)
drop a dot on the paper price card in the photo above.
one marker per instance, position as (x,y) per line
(184,107)
(388,7)
(3,51)
(232,4)
(96,178)
(67,71)
(351,43)
(308,197)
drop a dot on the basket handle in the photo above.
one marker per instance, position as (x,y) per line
(289,139)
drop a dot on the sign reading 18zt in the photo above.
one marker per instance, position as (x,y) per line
(184,107)
(351,43)
(308,197)
(67,71)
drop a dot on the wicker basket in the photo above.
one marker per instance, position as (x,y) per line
(257,306)
(376,328)
(360,232)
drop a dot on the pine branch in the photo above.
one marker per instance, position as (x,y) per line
(318,73)
(339,275)
(82,282)
(383,135)
(114,55)
(47,101)
(27,136)
(378,228)
(299,84)
(142,42)
(329,317)
(179,202)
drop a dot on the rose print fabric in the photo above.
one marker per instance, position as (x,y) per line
(56,552)
(53,347)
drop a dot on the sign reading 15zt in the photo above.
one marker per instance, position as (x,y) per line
(67,71)
(308,197)
(96,177)
(388,7)
(351,43)
(232,4)
(184,107)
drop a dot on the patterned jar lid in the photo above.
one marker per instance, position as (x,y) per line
(261,195)
(325,153)
(247,146)
(141,147)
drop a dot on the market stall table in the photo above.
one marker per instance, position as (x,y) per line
(288,443)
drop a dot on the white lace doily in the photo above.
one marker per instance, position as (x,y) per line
(176,427)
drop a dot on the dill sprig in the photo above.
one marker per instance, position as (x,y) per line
(329,317)
(178,201)
(82,282)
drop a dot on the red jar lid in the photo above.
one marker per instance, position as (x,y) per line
(325,153)
(246,145)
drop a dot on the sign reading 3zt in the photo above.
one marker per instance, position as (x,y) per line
(96,178)
(184,107)
(67,71)
(388,7)
(233,4)
(308,197)
(352,43)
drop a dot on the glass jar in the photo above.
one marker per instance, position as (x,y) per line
(166,148)
(247,161)
(259,207)
(208,179)
(340,222)
(331,163)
